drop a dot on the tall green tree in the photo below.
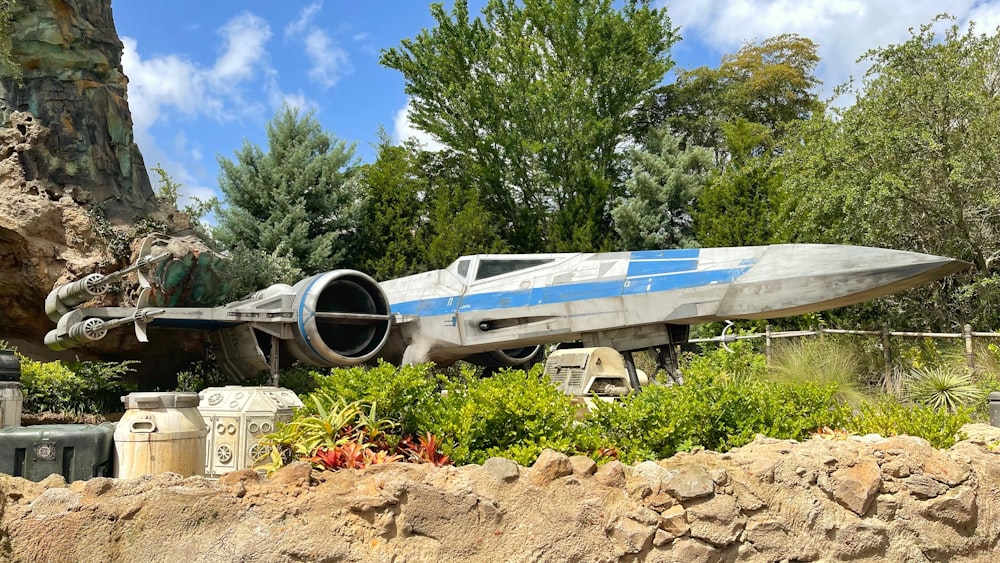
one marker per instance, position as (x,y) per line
(393,215)
(538,95)
(771,82)
(660,193)
(913,164)
(296,202)
(457,222)
(741,203)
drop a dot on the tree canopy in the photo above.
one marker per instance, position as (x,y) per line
(537,96)
(913,164)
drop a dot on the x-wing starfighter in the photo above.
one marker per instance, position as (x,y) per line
(500,310)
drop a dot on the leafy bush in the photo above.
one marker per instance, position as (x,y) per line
(299,379)
(513,414)
(401,395)
(888,417)
(74,387)
(337,435)
(200,375)
(716,411)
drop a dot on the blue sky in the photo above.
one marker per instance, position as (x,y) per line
(205,76)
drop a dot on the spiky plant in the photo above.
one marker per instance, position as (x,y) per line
(942,387)
(827,362)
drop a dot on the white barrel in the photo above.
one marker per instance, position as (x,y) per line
(160,432)
(11,401)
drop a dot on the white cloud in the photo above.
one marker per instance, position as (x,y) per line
(843,29)
(245,37)
(330,62)
(304,20)
(403,129)
(163,86)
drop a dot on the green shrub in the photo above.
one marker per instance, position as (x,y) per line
(332,434)
(200,375)
(716,411)
(513,414)
(300,379)
(401,395)
(74,387)
(888,417)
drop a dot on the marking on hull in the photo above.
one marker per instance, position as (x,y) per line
(498,300)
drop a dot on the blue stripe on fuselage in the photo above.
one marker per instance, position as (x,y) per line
(566,292)
(659,267)
(675,254)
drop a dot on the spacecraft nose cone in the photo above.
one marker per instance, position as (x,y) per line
(803,278)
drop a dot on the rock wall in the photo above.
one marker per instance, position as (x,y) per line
(893,499)
(66,151)
(74,87)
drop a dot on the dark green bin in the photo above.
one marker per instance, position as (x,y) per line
(10,366)
(76,451)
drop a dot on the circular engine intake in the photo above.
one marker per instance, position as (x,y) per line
(342,319)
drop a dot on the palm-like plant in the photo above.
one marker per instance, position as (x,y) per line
(941,387)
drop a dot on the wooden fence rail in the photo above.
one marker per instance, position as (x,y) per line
(769,336)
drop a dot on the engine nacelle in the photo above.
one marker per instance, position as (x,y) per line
(343,319)
(511,357)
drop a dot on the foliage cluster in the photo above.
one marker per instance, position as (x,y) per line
(726,400)
(8,66)
(74,387)
(118,240)
(332,434)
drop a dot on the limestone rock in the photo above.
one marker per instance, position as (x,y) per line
(550,466)
(634,536)
(957,506)
(716,520)
(295,474)
(611,474)
(923,487)
(690,481)
(502,469)
(583,465)
(674,521)
(855,487)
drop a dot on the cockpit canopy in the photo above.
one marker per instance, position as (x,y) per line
(483,266)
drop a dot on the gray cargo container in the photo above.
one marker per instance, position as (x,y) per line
(76,451)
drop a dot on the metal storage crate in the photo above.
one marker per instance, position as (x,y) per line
(76,451)
(236,418)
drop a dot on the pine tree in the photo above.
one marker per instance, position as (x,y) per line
(661,190)
(295,205)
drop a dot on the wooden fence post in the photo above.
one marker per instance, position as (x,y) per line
(822,334)
(970,358)
(767,343)
(886,354)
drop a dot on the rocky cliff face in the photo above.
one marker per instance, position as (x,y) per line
(74,88)
(67,155)
(865,499)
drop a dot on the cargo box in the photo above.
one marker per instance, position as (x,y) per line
(76,451)
(237,417)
